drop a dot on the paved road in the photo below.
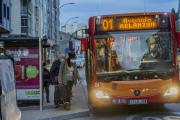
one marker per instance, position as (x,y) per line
(137,112)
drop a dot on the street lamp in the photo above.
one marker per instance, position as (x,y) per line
(76,35)
(66,33)
(65,4)
(59,20)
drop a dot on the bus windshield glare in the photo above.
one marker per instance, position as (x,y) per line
(135,51)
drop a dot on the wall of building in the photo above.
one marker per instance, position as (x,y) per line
(71,28)
(5,16)
(74,27)
(16,17)
(50,19)
(81,33)
(63,45)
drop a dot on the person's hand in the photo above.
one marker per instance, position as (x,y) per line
(59,82)
(80,81)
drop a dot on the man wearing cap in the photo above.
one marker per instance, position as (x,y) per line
(54,72)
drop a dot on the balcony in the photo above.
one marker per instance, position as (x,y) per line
(30,8)
(37,3)
(26,25)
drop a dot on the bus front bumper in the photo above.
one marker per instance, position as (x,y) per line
(120,100)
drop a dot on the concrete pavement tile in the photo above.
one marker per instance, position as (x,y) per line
(49,112)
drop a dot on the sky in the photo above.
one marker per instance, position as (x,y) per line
(84,9)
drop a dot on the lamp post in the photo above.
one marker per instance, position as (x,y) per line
(66,33)
(76,35)
(65,4)
(59,20)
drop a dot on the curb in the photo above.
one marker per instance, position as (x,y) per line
(79,114)
(67,116)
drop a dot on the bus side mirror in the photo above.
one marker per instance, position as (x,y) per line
(83,44)
(178,36)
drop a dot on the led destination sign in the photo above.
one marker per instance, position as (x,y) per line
(137,23)
(131,23)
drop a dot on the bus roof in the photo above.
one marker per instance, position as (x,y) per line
(133,14)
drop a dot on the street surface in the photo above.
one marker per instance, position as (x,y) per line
(135,112)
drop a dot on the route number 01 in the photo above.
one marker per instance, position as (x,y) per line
(107,24)
(164,118)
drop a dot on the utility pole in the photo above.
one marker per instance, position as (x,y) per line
(40,59)
(144,6)
(98,10)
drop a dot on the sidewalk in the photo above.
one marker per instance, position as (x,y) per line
(79,107)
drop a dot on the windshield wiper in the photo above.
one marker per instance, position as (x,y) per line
(120,74)
(106,78)
(164,75)
(146,68)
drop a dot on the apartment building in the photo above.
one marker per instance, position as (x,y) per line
(5,20)
(5,16)
(25,23)
(71,28)
(76,42)
(67,28)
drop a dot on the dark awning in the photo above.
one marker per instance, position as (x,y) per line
(21,39)
(30,42)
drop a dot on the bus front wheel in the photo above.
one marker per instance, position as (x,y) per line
(159,104)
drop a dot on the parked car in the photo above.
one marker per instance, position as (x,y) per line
(80,63)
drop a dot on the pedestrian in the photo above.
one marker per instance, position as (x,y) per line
(48,62)
(68,76)
(54,72)
(46,80)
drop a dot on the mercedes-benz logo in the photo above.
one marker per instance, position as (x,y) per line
(137,92)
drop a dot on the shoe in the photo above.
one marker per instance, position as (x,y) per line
(56,106)
(67,106)
(48,101)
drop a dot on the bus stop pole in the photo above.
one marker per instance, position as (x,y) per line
(40,61)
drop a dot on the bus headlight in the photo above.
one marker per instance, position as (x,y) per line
(171,91)
(101,94)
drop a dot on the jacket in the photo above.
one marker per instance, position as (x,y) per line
(63,73)
(46,77)
(55,68)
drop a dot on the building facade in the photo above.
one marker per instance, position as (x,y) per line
(65,44)
(25,23)
(5,16)
(53,24)
(5,20)
(72,28)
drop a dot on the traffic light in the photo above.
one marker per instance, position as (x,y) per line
(73,50)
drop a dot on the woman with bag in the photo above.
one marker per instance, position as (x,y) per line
(46,80)
(68,75)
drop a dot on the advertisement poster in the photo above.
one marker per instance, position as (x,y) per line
(26,72)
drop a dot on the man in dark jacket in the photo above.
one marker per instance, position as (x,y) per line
(54,72)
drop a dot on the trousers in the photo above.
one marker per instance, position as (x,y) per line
(47,91)
(68,90)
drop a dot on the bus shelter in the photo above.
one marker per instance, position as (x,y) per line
(26,53)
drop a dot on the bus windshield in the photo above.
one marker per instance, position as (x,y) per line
(142,50)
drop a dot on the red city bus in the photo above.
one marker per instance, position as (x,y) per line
(132,59)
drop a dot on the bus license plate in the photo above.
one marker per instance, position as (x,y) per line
(142,101)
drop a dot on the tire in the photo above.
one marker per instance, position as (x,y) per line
(96,109)
(160,104)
